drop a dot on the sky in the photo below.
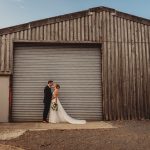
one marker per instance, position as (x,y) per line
(14,12)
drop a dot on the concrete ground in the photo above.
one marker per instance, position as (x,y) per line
(13,130)
(112,135)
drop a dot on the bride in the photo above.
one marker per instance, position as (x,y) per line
(60,115)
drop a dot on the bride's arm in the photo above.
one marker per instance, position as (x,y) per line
(56,94)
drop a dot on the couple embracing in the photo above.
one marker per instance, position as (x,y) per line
(53,107)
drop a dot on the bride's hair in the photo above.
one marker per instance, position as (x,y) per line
(57,86)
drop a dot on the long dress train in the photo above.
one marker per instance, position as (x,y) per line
(61,116)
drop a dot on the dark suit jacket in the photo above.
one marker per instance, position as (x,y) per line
(47,94)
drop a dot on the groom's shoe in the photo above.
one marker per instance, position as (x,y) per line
(45,121)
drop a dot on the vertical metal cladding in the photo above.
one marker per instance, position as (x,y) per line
(126,66)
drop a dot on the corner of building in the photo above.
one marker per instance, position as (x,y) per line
(4,98)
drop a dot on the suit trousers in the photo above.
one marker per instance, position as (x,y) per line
(46,110)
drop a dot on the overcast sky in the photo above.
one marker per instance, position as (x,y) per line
(13,12)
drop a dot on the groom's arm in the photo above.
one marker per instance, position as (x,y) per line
(45,92)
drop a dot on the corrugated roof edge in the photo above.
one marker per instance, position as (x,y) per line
(41,22)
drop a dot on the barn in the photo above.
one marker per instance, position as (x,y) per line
(100,57)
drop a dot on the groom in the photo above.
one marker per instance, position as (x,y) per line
(47,100)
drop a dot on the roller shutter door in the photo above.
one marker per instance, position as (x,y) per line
(77,70)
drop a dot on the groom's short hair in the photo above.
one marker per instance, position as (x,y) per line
(50,81)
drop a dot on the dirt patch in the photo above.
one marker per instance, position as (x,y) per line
(130,135)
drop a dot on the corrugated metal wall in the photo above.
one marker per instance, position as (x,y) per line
(126,56)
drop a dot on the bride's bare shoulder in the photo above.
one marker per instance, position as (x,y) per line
(56,92)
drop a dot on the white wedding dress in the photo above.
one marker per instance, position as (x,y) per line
(61,116)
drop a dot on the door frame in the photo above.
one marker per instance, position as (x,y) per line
(50,43)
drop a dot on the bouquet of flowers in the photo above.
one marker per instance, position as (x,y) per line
(54,106)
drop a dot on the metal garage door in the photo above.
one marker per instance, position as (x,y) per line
(77,69)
